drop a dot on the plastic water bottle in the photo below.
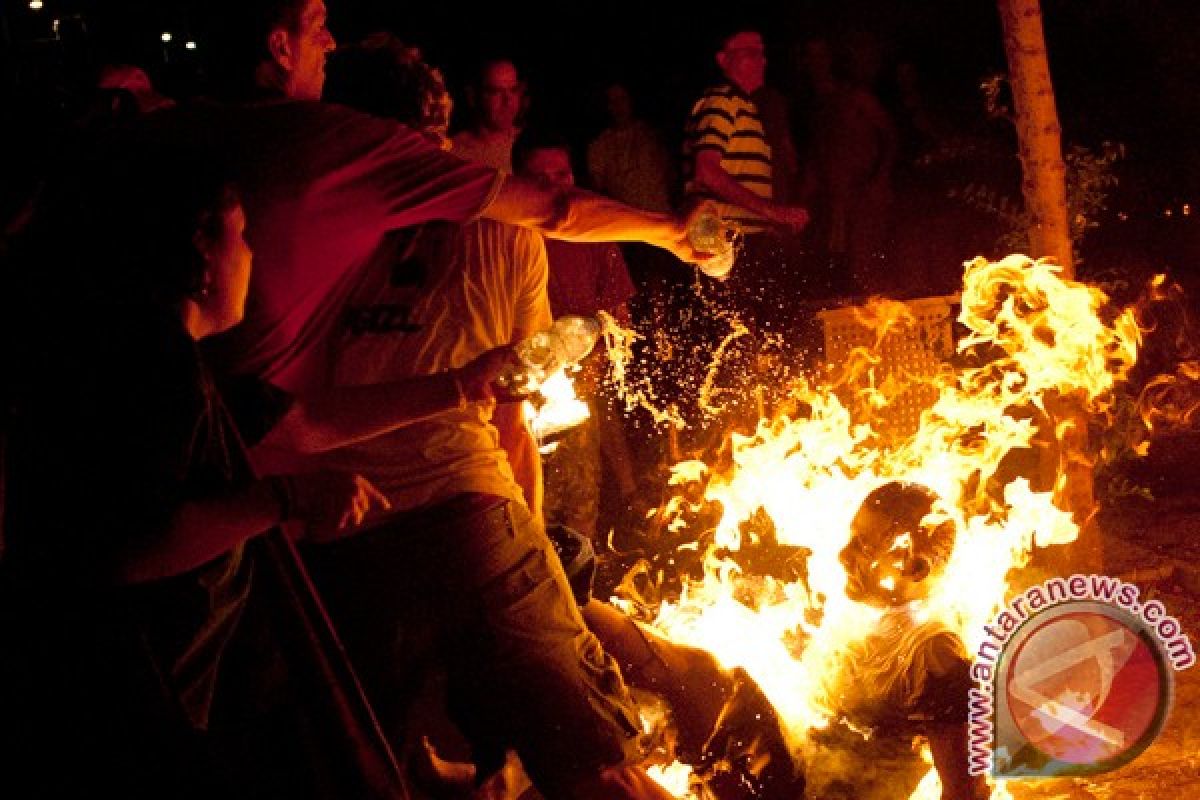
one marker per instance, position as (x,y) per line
(567,342)
(708,233)
(577,335)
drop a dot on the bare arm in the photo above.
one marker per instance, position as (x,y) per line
(203,529)
(344,415)
(580,216)
(349,414)
(713,178)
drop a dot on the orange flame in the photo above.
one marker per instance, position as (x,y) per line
(1032,339)
(1171,401)
(560,408)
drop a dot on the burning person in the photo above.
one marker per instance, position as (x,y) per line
(896,546)
(909,677)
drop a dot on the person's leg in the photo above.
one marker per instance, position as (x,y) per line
(717,712)
(531,676)
(728,730)
(691,681)
(948,745)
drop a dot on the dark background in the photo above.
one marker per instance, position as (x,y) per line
(1124,70)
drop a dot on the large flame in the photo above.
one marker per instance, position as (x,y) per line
(1039,354)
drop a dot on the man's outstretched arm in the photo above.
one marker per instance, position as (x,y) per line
(581,216)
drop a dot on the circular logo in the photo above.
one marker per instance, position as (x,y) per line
(1086,685)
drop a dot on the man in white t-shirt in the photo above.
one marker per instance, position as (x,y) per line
(458,571)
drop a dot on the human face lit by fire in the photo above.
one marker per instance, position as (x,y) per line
(744,61)
(501,96)
(550,165)
(897,545)
(882,567)
(308,47)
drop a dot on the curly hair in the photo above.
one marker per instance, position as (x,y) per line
(383,76)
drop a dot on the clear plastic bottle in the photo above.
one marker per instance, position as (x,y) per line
(578,335)
(709,233)
(568,341)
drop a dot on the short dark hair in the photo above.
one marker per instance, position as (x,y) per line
(488,61)
(238,30)
(731,28)
(535,138)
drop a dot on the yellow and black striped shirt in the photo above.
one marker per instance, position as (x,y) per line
(726,120)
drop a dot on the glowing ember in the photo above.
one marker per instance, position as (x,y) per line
(1032,340)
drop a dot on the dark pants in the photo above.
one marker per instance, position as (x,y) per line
(475,585)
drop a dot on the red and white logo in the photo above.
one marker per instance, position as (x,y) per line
(1083,689)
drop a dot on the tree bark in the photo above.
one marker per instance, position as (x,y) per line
(1038,133)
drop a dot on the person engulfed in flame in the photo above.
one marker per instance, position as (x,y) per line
(909,677)
(896,550)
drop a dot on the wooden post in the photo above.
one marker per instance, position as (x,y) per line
(1038,133)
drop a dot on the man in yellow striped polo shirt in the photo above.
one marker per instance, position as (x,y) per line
(727,160)
(726,154)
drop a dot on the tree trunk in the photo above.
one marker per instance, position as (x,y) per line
(1064,463)
(1038,133)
